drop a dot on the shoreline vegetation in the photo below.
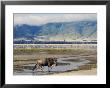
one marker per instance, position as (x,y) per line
(50,51)
(29,56)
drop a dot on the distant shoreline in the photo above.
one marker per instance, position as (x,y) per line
(55,42)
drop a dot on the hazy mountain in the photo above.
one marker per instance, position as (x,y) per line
(58,31)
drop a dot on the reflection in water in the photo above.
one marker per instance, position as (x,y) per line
(67,66)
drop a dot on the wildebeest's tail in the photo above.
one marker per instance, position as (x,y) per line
(34,67)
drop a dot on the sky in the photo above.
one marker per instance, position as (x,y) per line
(40,19)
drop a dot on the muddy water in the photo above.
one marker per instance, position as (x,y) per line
(67,66)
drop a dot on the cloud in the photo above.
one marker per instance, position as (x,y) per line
(39,19)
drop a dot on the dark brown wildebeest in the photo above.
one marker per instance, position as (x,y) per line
(50,62)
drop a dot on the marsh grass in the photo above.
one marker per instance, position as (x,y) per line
(50,51)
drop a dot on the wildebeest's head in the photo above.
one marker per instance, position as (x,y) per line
(55,61)
(52,61)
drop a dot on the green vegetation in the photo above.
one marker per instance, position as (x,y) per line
(25,51)
(50,51)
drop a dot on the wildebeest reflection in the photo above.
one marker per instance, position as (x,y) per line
(50,62)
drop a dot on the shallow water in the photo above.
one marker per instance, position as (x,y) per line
(70,65)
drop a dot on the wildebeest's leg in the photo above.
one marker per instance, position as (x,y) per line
(42,68)
(34,67)
(48,69)
(39,67)
(48,66)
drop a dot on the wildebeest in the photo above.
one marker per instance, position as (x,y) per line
(50,62)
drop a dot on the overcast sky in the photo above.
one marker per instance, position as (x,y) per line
(39,19)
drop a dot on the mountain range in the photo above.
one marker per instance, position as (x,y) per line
(57,31)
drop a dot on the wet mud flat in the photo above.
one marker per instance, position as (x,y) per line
(62,66)
(23,63)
